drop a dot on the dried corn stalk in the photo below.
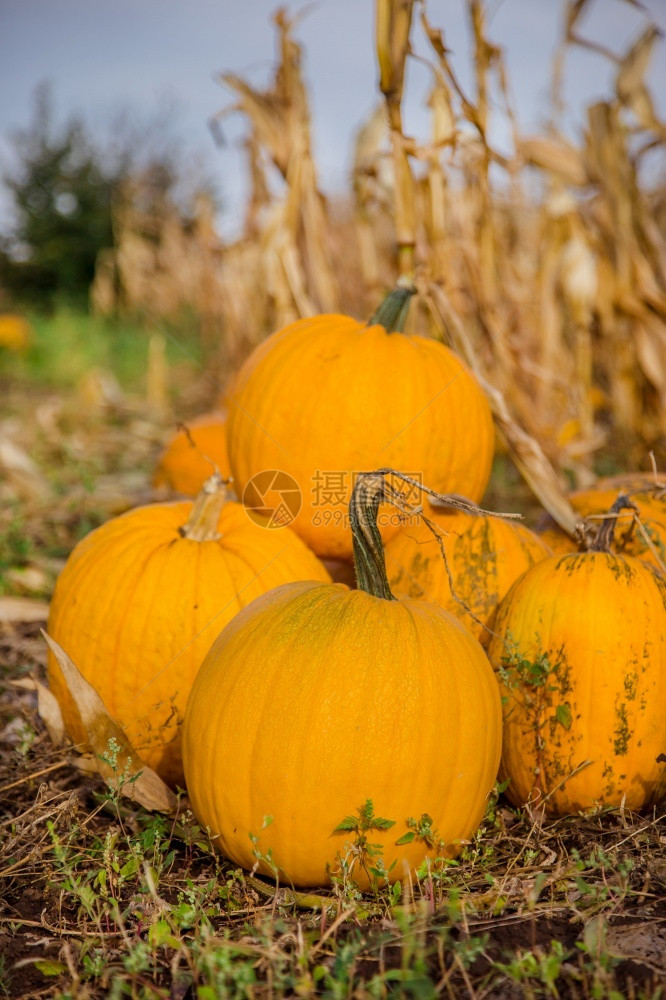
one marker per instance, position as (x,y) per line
(560,292)
(550,258)
(295,239)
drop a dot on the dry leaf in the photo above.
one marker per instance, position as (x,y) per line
(99,388)
(651,351)
(47,707)
(525,450)
(633,67)
(644,942)
(133,779)
(556,157)
(21,471)
(23,609)
(27,579)
(573,11)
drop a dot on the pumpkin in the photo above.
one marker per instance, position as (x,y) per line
(15,332)
(141,599)
(580,647)
(183,467)
(650,500)
(328,396)
(484,556)
(316,699)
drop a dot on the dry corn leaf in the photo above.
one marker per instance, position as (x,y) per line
(265,112)
(643,107)
(115,758)
(48,708)
(579,279)
(443,122)
(633,67)
(574,9)
(556,156)
(651,351)
(525,450)
(370,141)
(630,81)
(392,32)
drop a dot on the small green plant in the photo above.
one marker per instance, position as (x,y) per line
(122,777)
(596,960)
(5,983)
(16,547)
(534,682)
(420,829)
(470,948)
(601,880)
(362,852)
(261,856)
(537,970)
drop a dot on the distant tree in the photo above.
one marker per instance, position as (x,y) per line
(63,204)
(64,185)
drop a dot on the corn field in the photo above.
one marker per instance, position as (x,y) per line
(545,268)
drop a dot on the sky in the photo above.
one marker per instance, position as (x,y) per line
(100,56)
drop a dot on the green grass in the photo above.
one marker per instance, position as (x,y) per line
(104,900)
(68,344)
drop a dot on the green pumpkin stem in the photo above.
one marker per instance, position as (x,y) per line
(202,523)
(369,561)
(604,538)
(392,313)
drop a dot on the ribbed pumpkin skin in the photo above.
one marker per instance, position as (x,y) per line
(601,619)
(317,698)
(137,607)
(182,467)
(484,554)
(628,540)
(329,394)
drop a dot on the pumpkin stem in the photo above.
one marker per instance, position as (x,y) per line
(202,523)
(604,539)
(369,560)
(392,313)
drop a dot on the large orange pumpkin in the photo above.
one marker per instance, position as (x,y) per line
(650,500)
(316,699)
(141,599)
(186,461)
(580,648)
(329,396)
(484,556)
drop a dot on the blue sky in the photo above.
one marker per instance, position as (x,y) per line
(100,56)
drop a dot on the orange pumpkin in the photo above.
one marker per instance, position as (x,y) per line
(328,396)
(650,500)
(187,461)
(15,332)
(580,649)
(484,556)
(345,696)
(141,599)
